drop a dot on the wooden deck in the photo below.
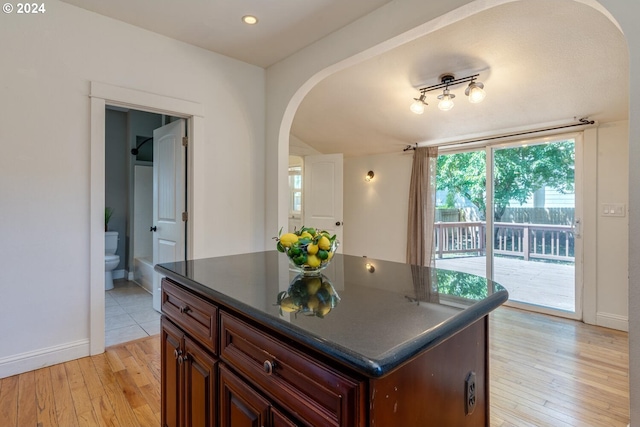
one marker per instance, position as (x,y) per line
(531,282)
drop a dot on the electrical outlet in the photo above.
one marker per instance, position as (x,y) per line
(470,393)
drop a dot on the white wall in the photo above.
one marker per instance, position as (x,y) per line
(142,211)
(612,260)
(289,81)
(375,212)
(116,182)
(48,62)
(376,217)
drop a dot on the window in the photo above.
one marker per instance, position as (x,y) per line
(295,191)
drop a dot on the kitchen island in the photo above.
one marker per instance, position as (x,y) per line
(368,343)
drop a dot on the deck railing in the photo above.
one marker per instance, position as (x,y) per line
(543,241)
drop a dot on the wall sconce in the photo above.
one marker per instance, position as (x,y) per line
(370,267)
(369,176)
(475,92)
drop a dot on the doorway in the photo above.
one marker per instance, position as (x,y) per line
(513,215)
(131,139)
(102,95)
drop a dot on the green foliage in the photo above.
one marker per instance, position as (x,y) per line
(463,174)
(461,284)
(518,173)
(108,212)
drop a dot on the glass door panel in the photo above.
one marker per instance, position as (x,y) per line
(459,228)
(526,196)
(534,213)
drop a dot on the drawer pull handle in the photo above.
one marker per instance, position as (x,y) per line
(184,309)
(268,367)
(177,353)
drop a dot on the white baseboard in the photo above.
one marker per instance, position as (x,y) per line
(131,276)
(613,321)
(28,361)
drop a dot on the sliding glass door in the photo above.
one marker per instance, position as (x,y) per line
(518,220)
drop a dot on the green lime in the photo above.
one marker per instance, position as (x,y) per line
(300,259)
(322,254)
(295,251)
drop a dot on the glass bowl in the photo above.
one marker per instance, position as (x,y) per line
(304,268)
(309,295)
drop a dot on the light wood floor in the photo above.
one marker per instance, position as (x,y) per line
(545,371)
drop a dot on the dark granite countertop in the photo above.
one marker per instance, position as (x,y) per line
(378,320)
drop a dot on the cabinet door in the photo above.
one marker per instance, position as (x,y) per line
(199,386)
(278,419)
(171,374)
(240,405)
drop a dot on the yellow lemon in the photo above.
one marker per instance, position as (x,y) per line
(288,239)
(306,234)
(312,249)
(288,305)
(313,285)
(313,303)
(313,261)
(327,286)
(324,243)
(330,255)
(323,310)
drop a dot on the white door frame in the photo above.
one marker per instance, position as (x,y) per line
(102,95)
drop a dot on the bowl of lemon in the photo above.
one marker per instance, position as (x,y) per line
(308,295)
(309,250)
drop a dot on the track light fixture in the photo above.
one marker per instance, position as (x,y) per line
(419,104)
(474,91)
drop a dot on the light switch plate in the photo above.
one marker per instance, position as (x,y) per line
(614,209)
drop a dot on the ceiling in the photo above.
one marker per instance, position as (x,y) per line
(284,26)
(537,67)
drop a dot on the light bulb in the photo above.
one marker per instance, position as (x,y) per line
(417,107)
(250,19)
(418,104)
(475,92)
(446,100)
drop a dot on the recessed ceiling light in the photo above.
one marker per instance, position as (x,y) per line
(250,19)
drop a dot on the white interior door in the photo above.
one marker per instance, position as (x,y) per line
(169,198)
(323,193)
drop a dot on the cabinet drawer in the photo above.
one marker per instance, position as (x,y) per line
(309,390)
(196,316)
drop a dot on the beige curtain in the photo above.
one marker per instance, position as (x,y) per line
(422,204)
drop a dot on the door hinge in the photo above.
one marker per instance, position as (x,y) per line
(185,141)
(185,216)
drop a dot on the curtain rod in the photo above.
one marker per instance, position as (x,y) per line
(583,122)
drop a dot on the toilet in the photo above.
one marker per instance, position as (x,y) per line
(111,260)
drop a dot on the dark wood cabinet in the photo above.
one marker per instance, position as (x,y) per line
(189,364)
(223,368)
(200,387)
(240,405)
(172,383)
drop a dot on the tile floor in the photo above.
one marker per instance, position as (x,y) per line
(129,313)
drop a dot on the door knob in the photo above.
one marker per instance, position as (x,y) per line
(338,223)
(268,367)
(154,228)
